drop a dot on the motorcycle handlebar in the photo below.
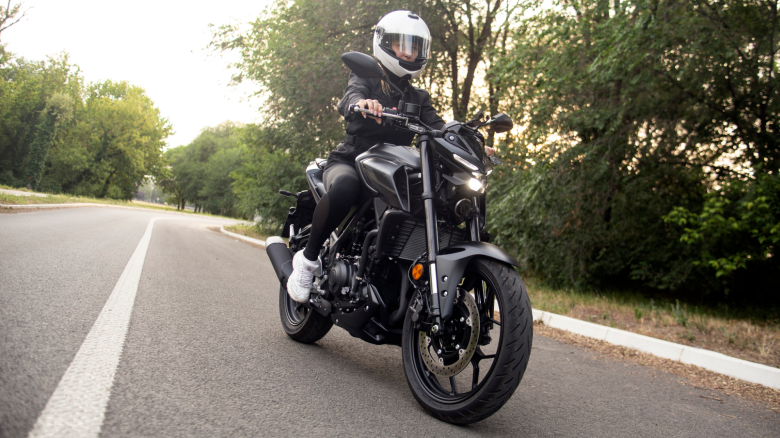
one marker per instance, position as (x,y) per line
(389,113)
(421,128)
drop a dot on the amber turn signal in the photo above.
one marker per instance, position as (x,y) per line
(417,271)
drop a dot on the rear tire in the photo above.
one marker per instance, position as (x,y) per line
(474,399)
(300,322)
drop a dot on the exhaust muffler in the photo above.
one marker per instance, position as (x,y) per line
(281,258)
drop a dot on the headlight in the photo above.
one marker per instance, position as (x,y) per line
(462,161)
(475,184)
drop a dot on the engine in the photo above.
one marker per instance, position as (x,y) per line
(340,277)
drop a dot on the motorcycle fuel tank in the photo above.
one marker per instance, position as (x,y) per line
(391,172)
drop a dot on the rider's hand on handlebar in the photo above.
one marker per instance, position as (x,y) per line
(372,105)
(490,151)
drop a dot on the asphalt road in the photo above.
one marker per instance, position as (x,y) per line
(205,354)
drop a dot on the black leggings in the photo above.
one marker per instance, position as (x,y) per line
(343,190)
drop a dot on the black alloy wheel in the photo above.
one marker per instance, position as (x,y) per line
(295,312)
(299,321)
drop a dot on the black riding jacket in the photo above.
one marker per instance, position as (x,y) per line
(364,133)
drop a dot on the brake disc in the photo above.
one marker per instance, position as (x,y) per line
(435,363)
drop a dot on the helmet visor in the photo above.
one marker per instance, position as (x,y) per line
(406,47)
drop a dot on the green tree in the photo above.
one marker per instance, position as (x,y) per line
(25,89)
(200,171)
(266,169)
(738,227)
(631,109)
(58,110)
(171,180)
(293,51)
(217,191)
(10,14)
(115,145)
(465,33)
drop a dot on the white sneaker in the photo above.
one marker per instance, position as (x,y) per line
(299,283)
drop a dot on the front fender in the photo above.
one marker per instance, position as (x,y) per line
(452,261)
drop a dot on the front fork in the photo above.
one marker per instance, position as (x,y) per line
(474,220)
(431,232)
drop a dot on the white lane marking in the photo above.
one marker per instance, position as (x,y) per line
(78,405)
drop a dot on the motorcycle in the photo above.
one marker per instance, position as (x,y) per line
(410,266)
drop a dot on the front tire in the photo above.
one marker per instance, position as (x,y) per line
(510,331)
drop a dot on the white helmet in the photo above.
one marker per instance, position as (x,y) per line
(402,44)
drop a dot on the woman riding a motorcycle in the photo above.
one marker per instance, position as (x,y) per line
(402,47)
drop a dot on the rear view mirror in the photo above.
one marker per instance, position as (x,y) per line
(501,123)
(364,66)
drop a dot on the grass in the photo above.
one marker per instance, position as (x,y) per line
(52,198)
(252,231)
(247,230)
(747,334)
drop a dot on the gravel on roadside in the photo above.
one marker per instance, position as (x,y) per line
(693,375)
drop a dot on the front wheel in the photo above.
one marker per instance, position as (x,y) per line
(467,375)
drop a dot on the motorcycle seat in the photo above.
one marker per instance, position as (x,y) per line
(314,176)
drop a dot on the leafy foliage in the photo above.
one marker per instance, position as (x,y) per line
(466,33)
(266,170)
(293,52)
(58,109)
(57,134)
(10,14)
(737,225)
(200,172)
(633,110)
(25,89)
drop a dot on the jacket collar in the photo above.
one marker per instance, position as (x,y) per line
(403,84)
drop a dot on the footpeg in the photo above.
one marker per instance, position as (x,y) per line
(322,307)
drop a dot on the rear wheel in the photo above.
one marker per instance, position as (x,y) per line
(467,375)
(299,321)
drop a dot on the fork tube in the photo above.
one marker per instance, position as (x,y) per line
(474,221)
(431,234)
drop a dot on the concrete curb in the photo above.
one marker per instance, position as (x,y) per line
(709,360)
(244,238)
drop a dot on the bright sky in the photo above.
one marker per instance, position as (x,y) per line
(158,45)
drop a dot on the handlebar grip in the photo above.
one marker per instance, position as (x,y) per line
(356,109)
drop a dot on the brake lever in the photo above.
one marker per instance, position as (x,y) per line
(494,160)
